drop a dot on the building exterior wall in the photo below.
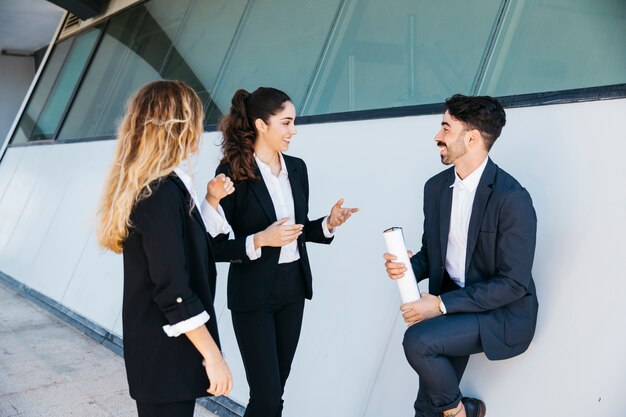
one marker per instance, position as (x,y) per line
(350,361)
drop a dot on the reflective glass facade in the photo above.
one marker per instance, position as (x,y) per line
(552,45)
(400,53)
(43,114)
(132,52)
(330,56)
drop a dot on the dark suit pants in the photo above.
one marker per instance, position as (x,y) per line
(178,409)
(267,339)
(438,349)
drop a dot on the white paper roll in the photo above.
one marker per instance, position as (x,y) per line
(407,285)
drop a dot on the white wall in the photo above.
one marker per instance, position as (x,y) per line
(16,74)
(350,361)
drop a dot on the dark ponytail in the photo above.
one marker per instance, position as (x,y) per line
(238,129)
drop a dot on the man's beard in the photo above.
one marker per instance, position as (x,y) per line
(453,154)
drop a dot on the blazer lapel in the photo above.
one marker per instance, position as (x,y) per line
(195,213)
(445,211)
(260,190)
(299,200)
(483,191)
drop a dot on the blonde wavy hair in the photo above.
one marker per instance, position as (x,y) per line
(161,127)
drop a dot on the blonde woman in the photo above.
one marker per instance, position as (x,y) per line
(150,213)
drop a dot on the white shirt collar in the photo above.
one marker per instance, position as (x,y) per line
(268,170)
(184,177)
(181,171)
(471,181)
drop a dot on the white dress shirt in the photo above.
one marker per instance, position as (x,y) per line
(217,226)
(279,189)
(463,193)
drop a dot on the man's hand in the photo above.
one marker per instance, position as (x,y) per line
(395,270)
(339,215)
(425,308)
(218,188)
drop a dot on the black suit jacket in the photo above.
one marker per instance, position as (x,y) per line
(169,276)
(250,210)
(500,249)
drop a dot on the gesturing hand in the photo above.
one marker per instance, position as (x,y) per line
(218,188)
(339,215)
(277,234)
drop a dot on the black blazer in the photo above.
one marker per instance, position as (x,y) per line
(169,276)
(250,210)
(500,252)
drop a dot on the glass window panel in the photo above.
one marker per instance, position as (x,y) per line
(278,45)
(132,52)
(37,101)
(405,52)
(201,47)
(551,45)
(50,118)
(55,87)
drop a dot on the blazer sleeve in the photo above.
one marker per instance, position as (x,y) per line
(225,249)
(515,249)
(158,220)
(313,231)
(419,261)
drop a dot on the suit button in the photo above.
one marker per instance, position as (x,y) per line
(179,300)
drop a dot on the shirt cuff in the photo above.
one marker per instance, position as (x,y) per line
(214,219)
(186,325)
(252,253)
(442,306)
(327,233)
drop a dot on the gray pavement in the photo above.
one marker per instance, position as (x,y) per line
(48,368)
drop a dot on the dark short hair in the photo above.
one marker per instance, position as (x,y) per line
(483,113)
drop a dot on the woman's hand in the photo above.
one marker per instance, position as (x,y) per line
(219,376)
(214,364)
(339,215)
(218,188)
(277,234)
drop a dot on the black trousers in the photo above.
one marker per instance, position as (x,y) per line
(178,409)
(267,339)
(438,349)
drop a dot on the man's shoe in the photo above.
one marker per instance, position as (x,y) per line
(474,407)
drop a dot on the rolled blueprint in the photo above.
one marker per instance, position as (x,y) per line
(407,285)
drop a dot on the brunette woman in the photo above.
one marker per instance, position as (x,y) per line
(269,275)
(150,213)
